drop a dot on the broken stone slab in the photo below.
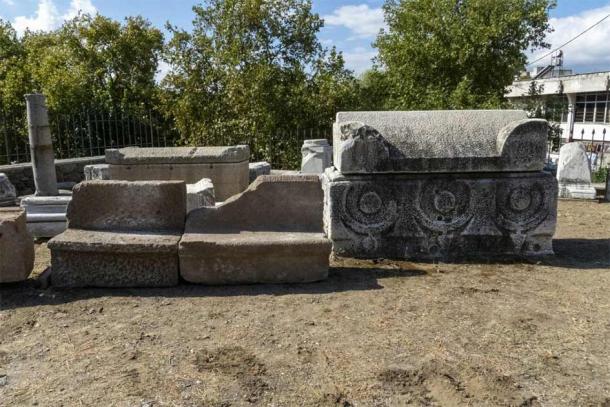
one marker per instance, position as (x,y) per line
(259,168)
(8,194)
(177,155)
(270,233)
(227,167)
(574,172)
(438,141)
(200,194)
(317,155)
(121,234)
(46,215)
(440,216)
(16,246)
(97,172)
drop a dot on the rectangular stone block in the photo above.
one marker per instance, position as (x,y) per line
(46,215)
(271,233)
(440,217)
(438,141)
(200,194)
(16,246)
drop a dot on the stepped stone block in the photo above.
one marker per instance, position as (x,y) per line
(121,234)
(16,246)
(271,233)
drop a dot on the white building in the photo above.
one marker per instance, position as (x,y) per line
(585,113)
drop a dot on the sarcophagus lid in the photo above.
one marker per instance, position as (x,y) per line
(439,141)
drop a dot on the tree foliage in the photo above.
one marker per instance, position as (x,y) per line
(249,69)
(457,53)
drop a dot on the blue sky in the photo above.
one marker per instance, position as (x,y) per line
(351,25)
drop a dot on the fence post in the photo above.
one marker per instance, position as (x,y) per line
(41,146)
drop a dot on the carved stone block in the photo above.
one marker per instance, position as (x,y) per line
(440,216)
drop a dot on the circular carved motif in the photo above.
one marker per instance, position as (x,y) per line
(370,203)
(368,209)
(444,205)
(521,208)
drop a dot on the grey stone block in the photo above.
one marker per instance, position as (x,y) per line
(177,155)
(438,141)
(46,215)
(199,195)
(121,234)
(259,168)
(16,246)
(440,217)
(574,172)
(8,195)
(97,172)
(317,155)
(271,233)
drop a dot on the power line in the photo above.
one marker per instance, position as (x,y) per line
(572,40)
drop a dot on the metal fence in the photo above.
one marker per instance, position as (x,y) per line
(85,133)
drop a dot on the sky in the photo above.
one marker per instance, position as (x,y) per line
(350,25)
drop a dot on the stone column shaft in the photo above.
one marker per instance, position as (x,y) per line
(41,146)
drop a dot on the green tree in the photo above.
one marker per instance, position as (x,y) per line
(251,70)
(457,53)
(94,62)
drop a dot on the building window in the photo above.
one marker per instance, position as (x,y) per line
(592,108)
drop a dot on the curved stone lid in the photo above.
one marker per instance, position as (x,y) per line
(177,155)
(439,141)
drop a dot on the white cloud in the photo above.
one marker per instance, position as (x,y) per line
(162,70)
(48,17)
(362,20)
(592,49)
(359,59)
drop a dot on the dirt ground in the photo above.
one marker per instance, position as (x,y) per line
(377,333)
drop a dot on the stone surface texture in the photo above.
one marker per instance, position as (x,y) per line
(121,234)
(16,246)
(227,167)
(438,141)
(317,155)
(200,194)
(574,172)
(271,233)
(444,188)
(97,172)
(8,194)
(259,168)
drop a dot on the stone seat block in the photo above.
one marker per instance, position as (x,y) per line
(254,257)
(121,234)
(271,233)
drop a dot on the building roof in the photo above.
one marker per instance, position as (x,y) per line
(576,83)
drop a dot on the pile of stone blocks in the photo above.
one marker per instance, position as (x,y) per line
(8,195)
(227,167)
(574,172)
(271,233)
(16,246)
(121,234)
(317,156)
(439,185)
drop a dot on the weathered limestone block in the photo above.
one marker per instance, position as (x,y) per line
(317,156)
(574,172)
(438,141)
(8,195)
(200,194)
(439,185)
(16,246)
(227,167)
(449,216)
(259,168)
(121,234)
(271,233)
(97,172)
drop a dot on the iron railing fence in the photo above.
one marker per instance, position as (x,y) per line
(85,133)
